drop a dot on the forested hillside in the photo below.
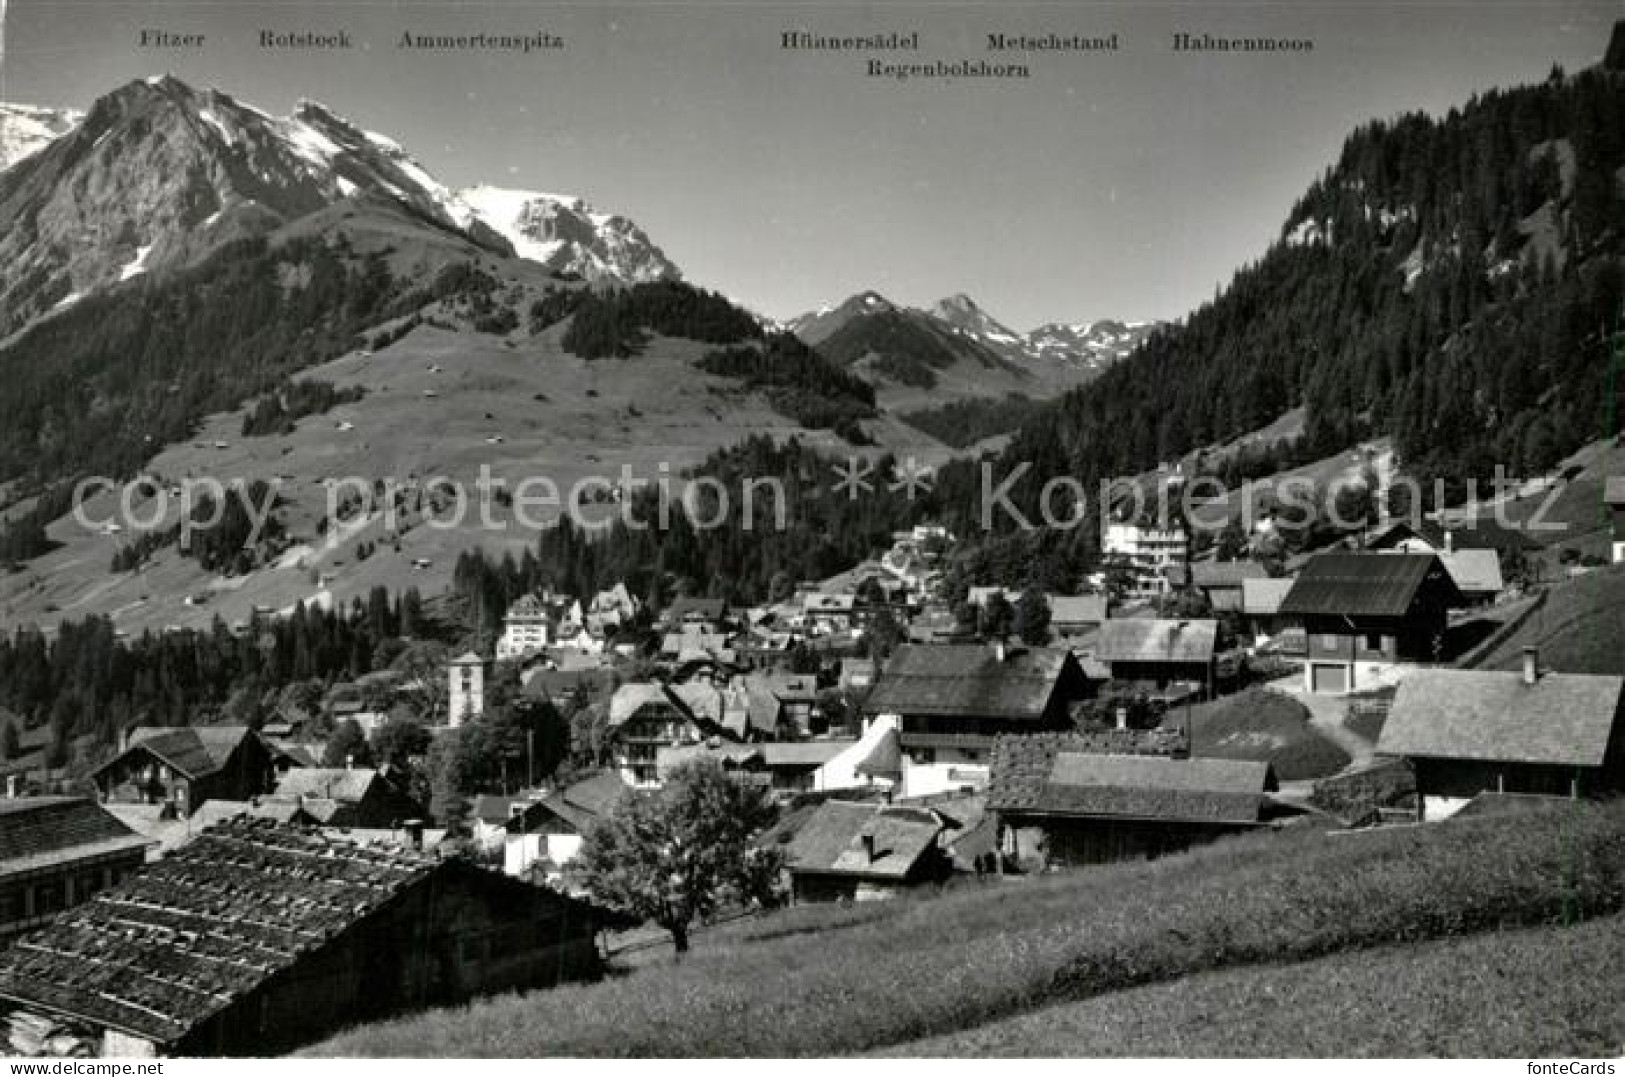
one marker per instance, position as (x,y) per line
(1449,282)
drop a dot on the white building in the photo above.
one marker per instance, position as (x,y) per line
(1147,551)
(524,629)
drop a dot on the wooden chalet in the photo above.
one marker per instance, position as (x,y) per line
(1527,731)
(844,851)
(1353,616)
(951,701)
(256,938)
(1066,801)
(56,852)
(342,797)
(185,767)
(1160,651)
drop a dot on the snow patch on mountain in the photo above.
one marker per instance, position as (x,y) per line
(26,129)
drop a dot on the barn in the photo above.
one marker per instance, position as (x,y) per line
(257,937)
(1064,802)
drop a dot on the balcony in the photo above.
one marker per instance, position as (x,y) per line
(967,741)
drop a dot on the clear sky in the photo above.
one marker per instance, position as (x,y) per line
(1127,184)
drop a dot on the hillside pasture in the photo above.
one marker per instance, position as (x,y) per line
(965,957)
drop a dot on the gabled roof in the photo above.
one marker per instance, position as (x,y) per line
(1135,787)
(333,783)
(1226,573)
(1076,610)
(712,609)
(969,680)
(1146,639)
(1480,533)
(1367,584)
(1492,716)
(193,751)
(1474,571)
(803,753)
(631,698)
(42,832)
(1263,598)
(821,602)
(1021,762)
(885,759)
(596,794)
(528,608)
(831,841)
(194,933)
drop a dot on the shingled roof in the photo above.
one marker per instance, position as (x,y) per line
(41,832)
(1492,716)
(1020,762)
(831,841)
(193,751)
(969,680)
(165,950)
(1226,573)
(1366,584)
(1145,639)
(1052,776)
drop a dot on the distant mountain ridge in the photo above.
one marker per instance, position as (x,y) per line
(1080,349)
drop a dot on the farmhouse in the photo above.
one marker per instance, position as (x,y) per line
(342,797)
(1221,582)
(701,614)
(185,767)
(56,852)
(1510,545)
(1072,616)
(1467,732)
(1062,802)
(256,938)
(1356,616)
(1161,652)
(645,717)
(949,703)
(864,852)
(544,834)
(1476,574)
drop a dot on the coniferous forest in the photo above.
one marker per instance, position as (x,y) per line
(1450,282)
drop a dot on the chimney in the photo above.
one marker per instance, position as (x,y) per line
(1122,717)
(349,762)
(998,650)
(1449,542)
(869,847)
(1531,666)
(414,834)
(11,787)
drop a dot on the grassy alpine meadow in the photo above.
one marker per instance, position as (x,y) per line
(1536,992)
(816,982)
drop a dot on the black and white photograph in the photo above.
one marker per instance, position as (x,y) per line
(899,531)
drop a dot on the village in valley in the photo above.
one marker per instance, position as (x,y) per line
(878,682)
(897,738)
